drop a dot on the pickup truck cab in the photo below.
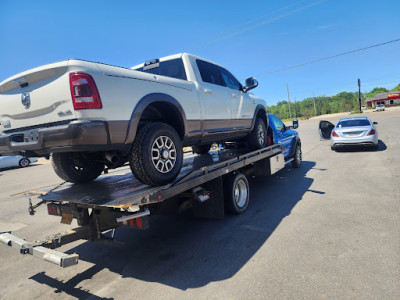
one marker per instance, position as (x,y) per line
(288,138)
(91,115)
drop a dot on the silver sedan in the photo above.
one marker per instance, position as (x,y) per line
(15,161)
(356,131)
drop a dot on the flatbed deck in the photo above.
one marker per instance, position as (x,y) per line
(119,189)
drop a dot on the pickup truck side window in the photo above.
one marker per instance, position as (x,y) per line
(172,68)
(230,80)
(209,72)
(277,123)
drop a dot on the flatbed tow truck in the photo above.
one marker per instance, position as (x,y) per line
(208,184)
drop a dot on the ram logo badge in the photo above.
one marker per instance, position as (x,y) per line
(26,100)
(65,113)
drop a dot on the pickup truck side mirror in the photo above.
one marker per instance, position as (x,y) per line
(251,83)
(295,124)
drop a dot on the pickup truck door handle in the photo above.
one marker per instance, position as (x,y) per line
(207,91)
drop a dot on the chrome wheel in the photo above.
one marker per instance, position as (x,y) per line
(163,154)
(260,134)
(24,162)
(298,154)
(240,193)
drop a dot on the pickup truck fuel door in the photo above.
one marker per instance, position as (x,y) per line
(325,130)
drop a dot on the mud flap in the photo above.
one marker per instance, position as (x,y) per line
(214,207)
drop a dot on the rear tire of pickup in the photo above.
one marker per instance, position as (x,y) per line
(72,168)
(236,193)
(201,149)
(257,138)
(156,156)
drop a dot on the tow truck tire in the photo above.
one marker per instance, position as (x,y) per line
(73,169)
(236,193)
(156,156)
(201,149)
(257,138)
(24,162)
(298,157)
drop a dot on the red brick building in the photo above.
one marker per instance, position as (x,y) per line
(387,99)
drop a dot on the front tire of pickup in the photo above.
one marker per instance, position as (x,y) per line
(298,157)
(73,168)
(257,138)
(156,156)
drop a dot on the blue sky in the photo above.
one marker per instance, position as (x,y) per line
(248,38)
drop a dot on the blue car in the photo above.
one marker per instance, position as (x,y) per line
(288,138)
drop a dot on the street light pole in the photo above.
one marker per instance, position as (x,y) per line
(287,87)
(315,111)
(359,92)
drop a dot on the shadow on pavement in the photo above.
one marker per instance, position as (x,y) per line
(185,252)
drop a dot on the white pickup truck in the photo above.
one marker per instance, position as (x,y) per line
(91,115)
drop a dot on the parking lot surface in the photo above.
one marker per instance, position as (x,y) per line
(330,229)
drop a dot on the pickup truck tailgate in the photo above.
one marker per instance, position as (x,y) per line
(35,97)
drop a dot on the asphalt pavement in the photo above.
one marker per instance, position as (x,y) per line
(329,230)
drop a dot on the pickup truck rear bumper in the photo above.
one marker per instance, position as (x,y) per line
(78,135)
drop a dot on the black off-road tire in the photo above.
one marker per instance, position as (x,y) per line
(233,182)
(140,158)
(298,157)
(257,138)
(70,167)
(201,149)
(24,162)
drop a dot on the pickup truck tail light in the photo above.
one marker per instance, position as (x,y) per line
(334,134)
(84,91)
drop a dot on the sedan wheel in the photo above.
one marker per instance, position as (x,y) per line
(24,162)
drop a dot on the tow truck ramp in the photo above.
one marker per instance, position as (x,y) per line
(118,199)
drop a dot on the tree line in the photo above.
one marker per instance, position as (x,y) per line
(342,102)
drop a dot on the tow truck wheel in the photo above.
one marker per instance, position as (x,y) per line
(156,156)
(257,138)
(236,193)
(76,169)
(201,149)
(298,157)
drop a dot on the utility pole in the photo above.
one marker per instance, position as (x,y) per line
(315,111)
(359,92)
(287,87)
(295,107)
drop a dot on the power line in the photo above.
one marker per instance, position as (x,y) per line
(326,58)
(261,23)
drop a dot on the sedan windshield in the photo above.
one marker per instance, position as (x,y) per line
(353,123)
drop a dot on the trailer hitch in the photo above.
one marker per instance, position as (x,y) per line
(33,207)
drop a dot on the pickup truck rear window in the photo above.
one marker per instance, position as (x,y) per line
(172,68)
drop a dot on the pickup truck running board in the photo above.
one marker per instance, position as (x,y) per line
(59,258)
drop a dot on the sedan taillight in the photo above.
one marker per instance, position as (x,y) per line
(84,91)
(372,132)
(334,134)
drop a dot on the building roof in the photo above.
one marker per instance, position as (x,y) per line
(384,96)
